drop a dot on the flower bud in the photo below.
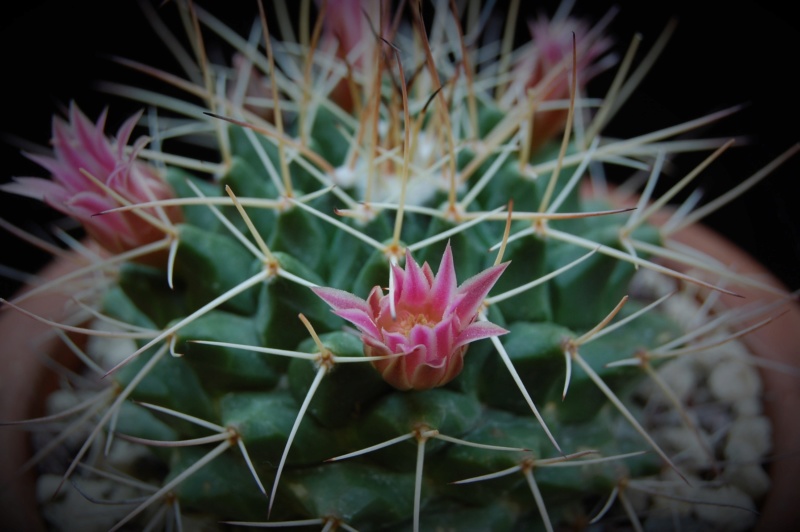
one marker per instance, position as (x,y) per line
(80,148)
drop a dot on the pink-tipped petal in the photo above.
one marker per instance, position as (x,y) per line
(374,300)
(444,285)
(341,300)
(32,187)
(423,335)
(85,205)
(416,286)
(428,273)
(478,331)
(396,342)
(475,289)
(426,376)
(361,319)
(124,134)
(399,277)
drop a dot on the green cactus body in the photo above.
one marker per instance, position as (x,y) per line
(246,373)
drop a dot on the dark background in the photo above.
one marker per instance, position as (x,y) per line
(54,51)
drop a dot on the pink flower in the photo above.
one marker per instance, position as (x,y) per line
(348,25)
(552,49)
(81,145)
(257,86)
(434,321)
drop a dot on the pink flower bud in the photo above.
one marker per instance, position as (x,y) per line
(426,338)
(348,26)
(257,86)
(548,67)
(80,146)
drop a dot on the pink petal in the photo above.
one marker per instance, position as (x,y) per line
(426,376)
(474,291)
(73,155)
(92,136)
(124,134)
(424,335)
(33,187)
(352,308)
(360,319)
(395,341)
(416,286)
(394,372)
(399,281)
(439,341)
(444,285)
(478,331)
(341,300)
(374,301)
(446,333)
(86,204)
(428,273)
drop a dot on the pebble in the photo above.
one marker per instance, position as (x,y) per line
(733,380)
(749,439)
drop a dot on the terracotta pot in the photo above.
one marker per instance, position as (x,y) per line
(24,377)
(779,341)
(25,381)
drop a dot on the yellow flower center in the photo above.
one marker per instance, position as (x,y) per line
(406,320)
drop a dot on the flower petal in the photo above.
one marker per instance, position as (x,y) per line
(428,273)
(416,286)
(478,331)
(341,300)
(360,319)
(444,285)
(399,281)
(33,187)
(426,376)
(435,353)
(124,134)
(474,291)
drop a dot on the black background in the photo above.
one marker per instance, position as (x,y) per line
(54,51)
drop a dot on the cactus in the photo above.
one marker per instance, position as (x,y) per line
(284,351)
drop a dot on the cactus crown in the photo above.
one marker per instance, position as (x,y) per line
(379,142)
